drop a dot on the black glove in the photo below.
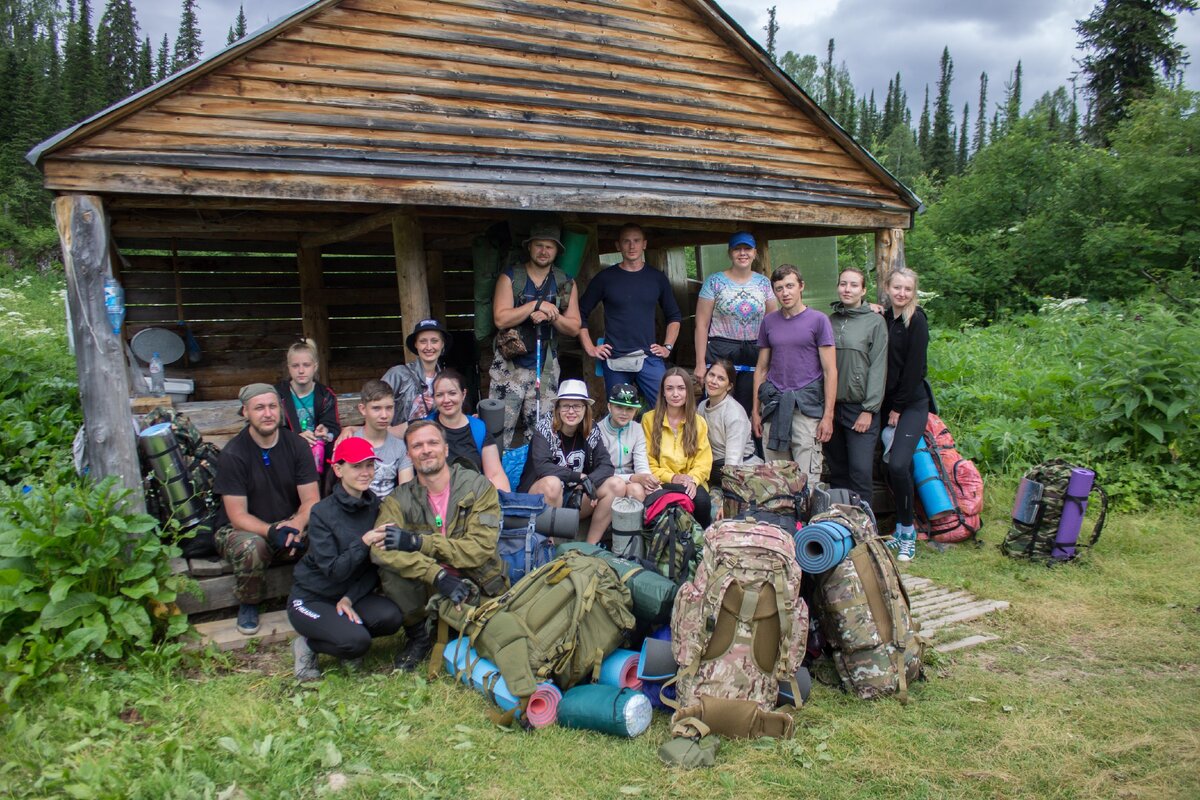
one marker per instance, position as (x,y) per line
(455,589)
(574,479)
(588,487)
(277,535)
(396,538)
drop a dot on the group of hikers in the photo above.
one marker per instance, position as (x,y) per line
(413,507)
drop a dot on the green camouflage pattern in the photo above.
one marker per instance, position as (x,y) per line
(776,487)
(740,626)
(557,623)
(865,615)
(249,554)
(673,543)
(1036,541)
(199,456)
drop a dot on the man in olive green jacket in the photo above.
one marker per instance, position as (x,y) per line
(445,532)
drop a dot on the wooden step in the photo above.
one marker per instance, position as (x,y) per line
(273,626)
(218,590)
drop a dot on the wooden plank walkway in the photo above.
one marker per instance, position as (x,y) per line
(937,609)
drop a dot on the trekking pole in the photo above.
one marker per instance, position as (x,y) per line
(537,382)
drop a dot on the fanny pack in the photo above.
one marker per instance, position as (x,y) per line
(631,362)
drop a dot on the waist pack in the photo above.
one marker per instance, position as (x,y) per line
(775,492)
(738,630)
(558,623)
(652,594)
(864,612)
(1054,515)
(521,547)
(963,484)
(672,538)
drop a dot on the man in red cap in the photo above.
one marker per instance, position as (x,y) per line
(332,606)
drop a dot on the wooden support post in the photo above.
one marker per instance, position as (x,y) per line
(409,244)
(889,255)
(99,354)
(673,263)
(763,262)
(589,267)
(314,310)
(437,285)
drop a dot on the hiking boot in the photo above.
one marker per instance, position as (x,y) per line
(908,546)
(415,650)
(306,668)
(247,623)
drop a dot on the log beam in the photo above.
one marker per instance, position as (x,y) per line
(99,354)
(411,275)
(352,230)
(889,256)
(314,311)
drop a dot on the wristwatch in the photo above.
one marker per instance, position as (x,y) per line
(669,347)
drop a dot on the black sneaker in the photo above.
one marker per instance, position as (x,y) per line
(415,650)
(247,620)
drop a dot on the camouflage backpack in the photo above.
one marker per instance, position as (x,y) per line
(738,629)
(775,492)
(200,459)
(673,540)
(1034,538)
(557,623)
(865,616)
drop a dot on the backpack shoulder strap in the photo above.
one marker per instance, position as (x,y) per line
(478,430)
(563,283)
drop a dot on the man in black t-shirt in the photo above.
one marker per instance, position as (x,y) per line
(267,481)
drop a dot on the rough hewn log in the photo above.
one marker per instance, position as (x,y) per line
(410,272)
(314,308)
(673,264)
(99,354)
(889,255)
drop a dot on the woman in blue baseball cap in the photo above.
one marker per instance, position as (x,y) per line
(729,312)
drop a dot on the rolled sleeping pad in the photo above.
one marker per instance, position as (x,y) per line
(628,546)
(161,449)
(561,523)
(655,692)
(543,704)
(492,414)
(574,244)
(656,662)
(803,683)
(653,594)
(822,546)
(606,709)
(935,500)
(1074,506)
(620,669)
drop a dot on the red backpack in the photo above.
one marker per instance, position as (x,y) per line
(963,483)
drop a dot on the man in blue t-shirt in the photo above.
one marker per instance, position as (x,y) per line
(630,292)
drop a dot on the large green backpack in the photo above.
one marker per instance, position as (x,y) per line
(864,612)
(775,492)
(1035,540)
(557,623)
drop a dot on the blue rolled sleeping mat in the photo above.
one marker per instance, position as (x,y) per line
(822,546)
(656,665)
(606,709)
(653,594)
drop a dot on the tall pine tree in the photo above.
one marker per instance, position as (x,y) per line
(79,74)
(941,159)
(963,149)
(162,65)
(923,130)
(238,31)
(117,51)
(1012,100)
(1129,45)
(145,66)
(981,120)
(188,44)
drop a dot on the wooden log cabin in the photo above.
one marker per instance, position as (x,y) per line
(327,176)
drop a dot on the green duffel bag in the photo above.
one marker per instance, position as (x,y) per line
(653,594)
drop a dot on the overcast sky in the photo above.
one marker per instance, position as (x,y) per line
(875,39)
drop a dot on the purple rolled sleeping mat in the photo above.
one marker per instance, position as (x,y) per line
(1074,507)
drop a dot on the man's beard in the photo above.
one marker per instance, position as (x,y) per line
(264,431)
(432,467)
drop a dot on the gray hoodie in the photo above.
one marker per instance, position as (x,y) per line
(860,336)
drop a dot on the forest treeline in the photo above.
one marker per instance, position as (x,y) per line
(1092,190)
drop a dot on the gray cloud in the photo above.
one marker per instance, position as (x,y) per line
(874,39)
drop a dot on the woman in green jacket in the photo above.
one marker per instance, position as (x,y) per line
(861,341)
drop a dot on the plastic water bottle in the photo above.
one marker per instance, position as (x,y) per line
(158,380)
(114,304)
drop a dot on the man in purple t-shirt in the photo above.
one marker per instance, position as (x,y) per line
(795,382)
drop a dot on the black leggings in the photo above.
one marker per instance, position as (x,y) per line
(335,635)
(742,354)
(909,431)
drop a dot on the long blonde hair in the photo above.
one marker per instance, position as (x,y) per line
(690,438)
(904,272)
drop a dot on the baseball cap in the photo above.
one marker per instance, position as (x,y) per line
(624,394)
(354,450)
(742,238)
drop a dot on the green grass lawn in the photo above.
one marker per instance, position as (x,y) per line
(1091,691)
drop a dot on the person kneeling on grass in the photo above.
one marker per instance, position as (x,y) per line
(331,605)
(569,464)
(626,443)
(443,532)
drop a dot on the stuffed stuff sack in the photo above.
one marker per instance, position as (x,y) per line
(775,492)
(865,616)
(963,483)
(557,624)
(672,538)
(738,629)
(200,459)
(1035,540)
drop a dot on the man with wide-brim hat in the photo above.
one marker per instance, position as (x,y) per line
(267,482)
(534,304)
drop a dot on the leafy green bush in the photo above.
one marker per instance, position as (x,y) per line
(81,578)
(1113,387)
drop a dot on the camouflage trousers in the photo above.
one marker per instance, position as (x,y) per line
(250,555)
(516,387)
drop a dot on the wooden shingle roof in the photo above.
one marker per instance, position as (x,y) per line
(640,107)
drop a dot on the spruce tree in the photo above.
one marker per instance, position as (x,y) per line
(963,150)
(941,158)
(829,83)
(145,67)
(981,120)
(117,51)
(162,66)
(238,30)
(772,29)
(923,130)
(79,75)
(188,44)
(1129,45)
(1012,99)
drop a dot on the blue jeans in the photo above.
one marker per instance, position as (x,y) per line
(647,380)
